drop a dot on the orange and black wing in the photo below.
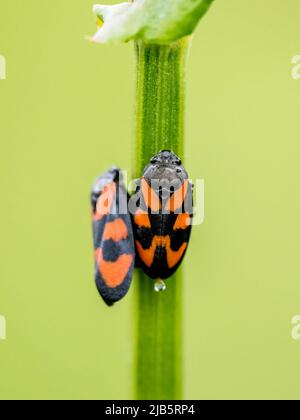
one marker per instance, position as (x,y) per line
(113,238)
(181,216)
(142,227)
(162,233)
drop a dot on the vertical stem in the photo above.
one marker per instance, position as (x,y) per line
(160,125)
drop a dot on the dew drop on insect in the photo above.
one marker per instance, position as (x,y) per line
(160,286)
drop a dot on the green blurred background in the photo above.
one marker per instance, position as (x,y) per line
(66,114)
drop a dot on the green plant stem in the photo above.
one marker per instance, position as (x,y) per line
(160,125)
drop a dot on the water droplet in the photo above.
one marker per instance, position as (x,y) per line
(160,286)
